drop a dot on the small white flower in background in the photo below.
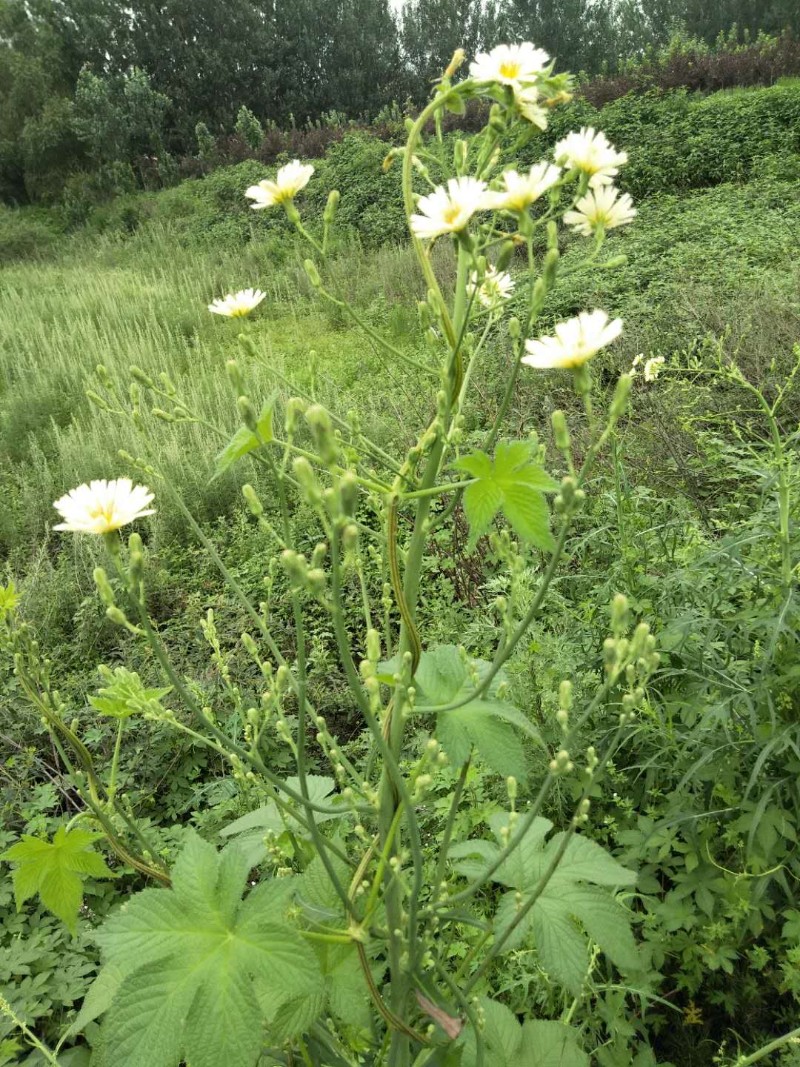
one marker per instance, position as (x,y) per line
(653,368)
(521,190)
(591,152)
(527,101)
(497,286)
(237,305)
(510,64)
(448,210)
(575,341)
(102,506)
(289,180)
(600,207)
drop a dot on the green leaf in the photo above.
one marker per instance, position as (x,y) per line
(574,907)
(486,723)
(56,871)
(551,1044)
(192,955)
(244,440)
(502,1037)
(124,695)
(514,484)
(250,830)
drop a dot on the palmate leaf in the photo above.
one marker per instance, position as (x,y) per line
(56,870)
(486,723)
(192,956)
(575,906)
(124,695)
(537,1043)
(514,484)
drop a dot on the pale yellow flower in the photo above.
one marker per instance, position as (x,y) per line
(527,101)
(510,64)
(237,305)
(653,368)
(575,341)
(602,207)
(521,190)
(289,180)
(591,152)
(448,210)
(102,506)
(496,287)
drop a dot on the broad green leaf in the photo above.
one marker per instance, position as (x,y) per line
(514,484)
(244,440)
(486,723)
(501,1035)
(250,830)
(550,1044)
(192,955)
(56,870)
(98,999)
(124,695)
(574,907)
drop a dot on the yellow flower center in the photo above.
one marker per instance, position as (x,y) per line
(509,69)
(104,513)
(451,214)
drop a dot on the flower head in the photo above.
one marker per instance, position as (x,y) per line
(591,152)
(653,367)
(237,305)
(448,210)
(601,207)
(510,64)
(528,104)
(521,190)
(496,287)
(575,341)
(289,180)
(102,506)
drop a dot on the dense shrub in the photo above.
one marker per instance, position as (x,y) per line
(26,234)
(696,67)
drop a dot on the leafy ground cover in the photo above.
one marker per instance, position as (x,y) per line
(688,506)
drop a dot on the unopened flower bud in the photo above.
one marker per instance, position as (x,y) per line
(247,413)
(560,431)
(252,501)
(330,208)
(621,394)
(313,273)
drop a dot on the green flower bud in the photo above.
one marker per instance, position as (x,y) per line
(139,376)
(252,501)
(103,586)
(330,208)
(621,394)
(116,616)
(619,614)
(505,255)
(514,328)
(247,413)
(560,431)
(235,375)
(550,266)
(348,490)
(313,273)
(304,473)
(373,645)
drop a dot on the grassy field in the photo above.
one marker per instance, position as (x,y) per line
(683,517)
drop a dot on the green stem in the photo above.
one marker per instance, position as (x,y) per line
(766,1050)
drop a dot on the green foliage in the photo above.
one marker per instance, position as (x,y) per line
(56,870)
(245,441)
(192,963)
(124,695)
(573,893)
(507,1042)
(512,483)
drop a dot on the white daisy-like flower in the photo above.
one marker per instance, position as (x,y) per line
(102,506)
(521,190)
(289,180)
(527,101)
(603,207)
(496,287)
(237,305)
(510,64)
(575,341)
(590,151)
(653,368)
(448,210)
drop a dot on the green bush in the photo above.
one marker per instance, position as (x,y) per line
(27,234)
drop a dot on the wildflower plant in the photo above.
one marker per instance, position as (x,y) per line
(323,929)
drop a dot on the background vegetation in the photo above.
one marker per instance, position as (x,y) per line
(704,803)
